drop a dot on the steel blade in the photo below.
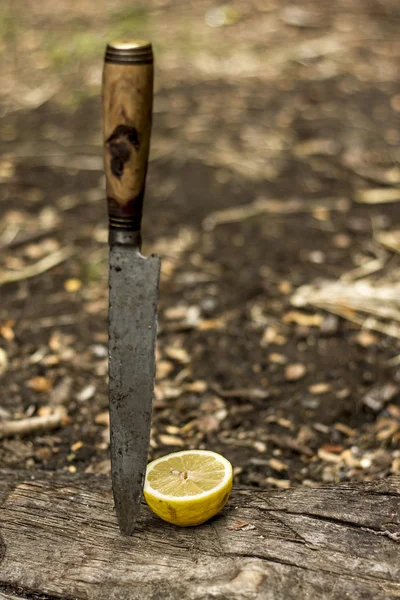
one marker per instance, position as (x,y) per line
(132,336)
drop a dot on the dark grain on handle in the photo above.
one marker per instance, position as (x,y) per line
(127,111)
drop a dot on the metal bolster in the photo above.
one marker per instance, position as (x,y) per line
(124,237)
(142,55)
(125,222)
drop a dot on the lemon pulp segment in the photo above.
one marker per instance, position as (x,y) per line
(188,487)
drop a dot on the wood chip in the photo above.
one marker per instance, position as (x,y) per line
(387,429)
(378,195)
(86,393)
(318,389)
(241,525)
(180,355)
(279,483)
(211,325)
(295,371)
(7,330)
(365,339)
(335,448)
(272,335)
(345,429)
(260,446)
(175,313)
(170,440)
(77,446)
(379,395)
(395,468)
(278,359)
(172,429)
(3,361)
(304,319)
(40,384)
(329,457)
(103,418)
(277,465)
(196,387)
(164,368)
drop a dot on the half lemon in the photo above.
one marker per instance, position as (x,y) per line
(187,488)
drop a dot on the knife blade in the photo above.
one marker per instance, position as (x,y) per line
(133,279)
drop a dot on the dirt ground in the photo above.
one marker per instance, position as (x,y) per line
(274,165)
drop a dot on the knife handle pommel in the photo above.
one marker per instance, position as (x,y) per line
(127,113)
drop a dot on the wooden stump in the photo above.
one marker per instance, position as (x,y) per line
(59,539)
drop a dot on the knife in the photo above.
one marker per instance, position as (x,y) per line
(133,279)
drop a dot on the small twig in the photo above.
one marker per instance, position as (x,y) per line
(284,441)
(42,423)
(245,394)
(278,207)
(46,322)
(8,235)
(43,265)
(372,266)
(15,242)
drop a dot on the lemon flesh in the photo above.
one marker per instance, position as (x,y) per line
(187,488)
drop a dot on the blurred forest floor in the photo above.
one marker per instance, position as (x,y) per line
(274,165)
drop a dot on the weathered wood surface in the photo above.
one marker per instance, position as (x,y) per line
(59,539)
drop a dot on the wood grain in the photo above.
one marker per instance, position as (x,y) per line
(127,117)
(61,539)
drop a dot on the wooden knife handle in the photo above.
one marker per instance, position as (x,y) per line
(127,113)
